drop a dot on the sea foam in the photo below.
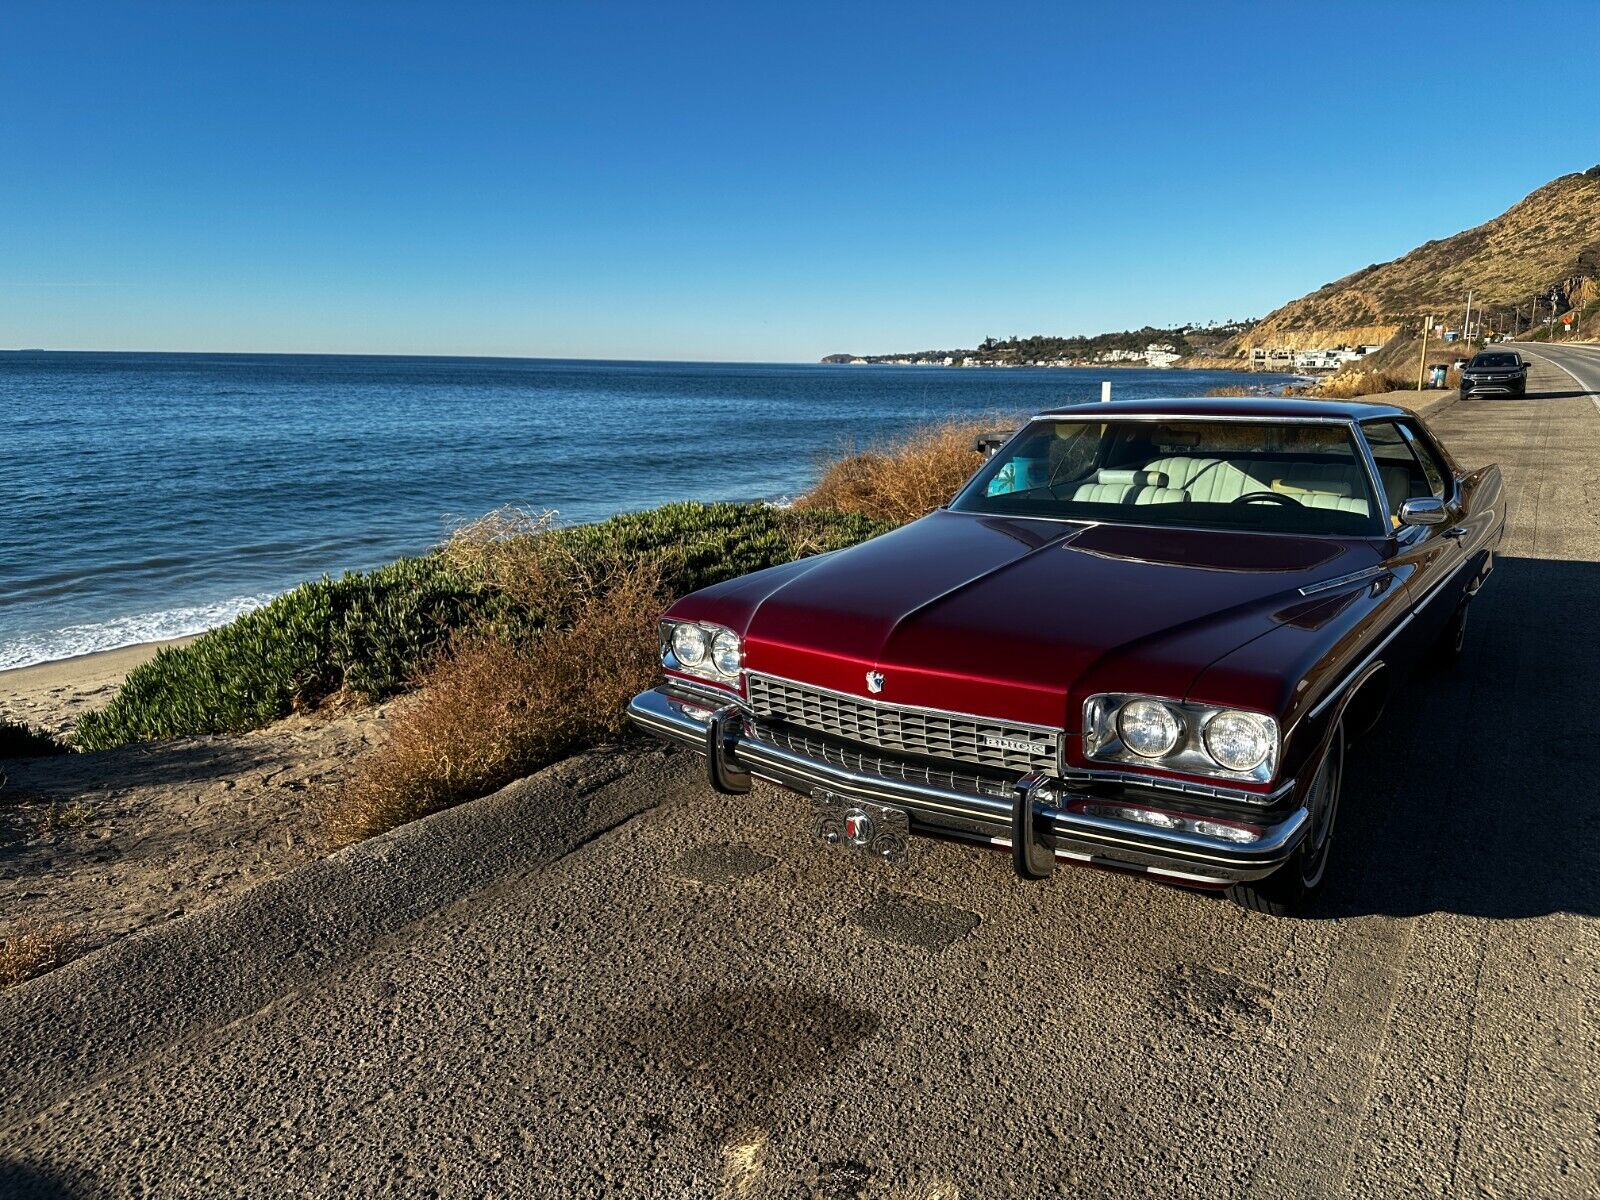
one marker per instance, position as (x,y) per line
(69,641)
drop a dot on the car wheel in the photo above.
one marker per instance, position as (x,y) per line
(1286,890)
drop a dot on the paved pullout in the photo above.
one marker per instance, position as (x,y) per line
(702,1002)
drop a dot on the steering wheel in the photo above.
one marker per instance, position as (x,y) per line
(1275,497)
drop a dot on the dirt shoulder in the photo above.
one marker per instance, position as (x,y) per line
(96,846)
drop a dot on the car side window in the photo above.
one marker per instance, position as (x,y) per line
(1432,469)
(1400,471)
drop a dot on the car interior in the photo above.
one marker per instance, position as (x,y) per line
(1141,464)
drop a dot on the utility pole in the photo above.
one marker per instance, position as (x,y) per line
(1466,322)
(1422,366)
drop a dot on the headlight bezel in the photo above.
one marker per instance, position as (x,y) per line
(708,667)
(1103,742)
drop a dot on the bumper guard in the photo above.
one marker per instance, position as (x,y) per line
(1033,822)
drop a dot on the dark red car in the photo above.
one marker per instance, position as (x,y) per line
(1140,637)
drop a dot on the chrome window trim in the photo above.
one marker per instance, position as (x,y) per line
(1052,730)
(1090,406)
(1380,498)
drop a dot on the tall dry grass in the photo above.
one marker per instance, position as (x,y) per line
(1348,385)
(902,480)
(499,704)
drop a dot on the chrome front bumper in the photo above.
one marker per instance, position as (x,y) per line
(1030,806)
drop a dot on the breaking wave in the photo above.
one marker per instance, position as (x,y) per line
(71,640)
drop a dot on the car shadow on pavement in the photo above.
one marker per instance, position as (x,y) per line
(24,1181)
(1477,791)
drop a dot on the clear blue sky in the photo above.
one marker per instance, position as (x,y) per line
(744,181)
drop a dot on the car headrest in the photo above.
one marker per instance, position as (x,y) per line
(1129,478)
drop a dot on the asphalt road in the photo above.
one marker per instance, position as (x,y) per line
(703,1003)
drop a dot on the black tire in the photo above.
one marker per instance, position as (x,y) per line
(1465,394)
(1287,890)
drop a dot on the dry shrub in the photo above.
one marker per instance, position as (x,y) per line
(34,947)
(510,550)
(902,480)
(1347,385)
(492,709)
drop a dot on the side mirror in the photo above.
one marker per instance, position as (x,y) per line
(1424,510)
(987,443)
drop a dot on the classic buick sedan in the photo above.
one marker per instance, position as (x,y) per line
(1141,637)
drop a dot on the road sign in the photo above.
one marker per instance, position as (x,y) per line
(1567,319)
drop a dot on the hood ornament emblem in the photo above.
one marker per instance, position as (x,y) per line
(874,682)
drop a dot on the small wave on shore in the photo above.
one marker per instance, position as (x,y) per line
(70,641)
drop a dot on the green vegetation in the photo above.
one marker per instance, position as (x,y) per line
(18,740)
(366,633)
(371,634)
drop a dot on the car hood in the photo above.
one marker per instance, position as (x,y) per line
(1021,619)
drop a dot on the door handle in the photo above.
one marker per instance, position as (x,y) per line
(1460,531)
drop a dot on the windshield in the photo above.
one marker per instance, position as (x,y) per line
(1276,477)
(1494,360)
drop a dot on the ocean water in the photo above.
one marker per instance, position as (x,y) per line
(151,495)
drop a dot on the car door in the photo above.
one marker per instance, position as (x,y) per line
(1425,558)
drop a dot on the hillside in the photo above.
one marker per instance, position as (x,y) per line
(1550,239)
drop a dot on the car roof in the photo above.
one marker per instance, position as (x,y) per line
(1266,408)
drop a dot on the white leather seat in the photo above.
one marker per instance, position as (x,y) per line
(1114,486)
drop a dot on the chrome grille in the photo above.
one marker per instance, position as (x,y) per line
(872,764)
(930,733)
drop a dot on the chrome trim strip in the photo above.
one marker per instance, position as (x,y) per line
(1091,406)
(1411,614)
(1201,791)
(718,697)
(1311,589)
(1334,692)
(1052,730)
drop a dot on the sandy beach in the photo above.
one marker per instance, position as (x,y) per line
(52,696)
(96,846)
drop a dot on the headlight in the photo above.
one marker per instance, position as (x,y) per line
(709,651)
(1149,728)
(1239,741)
(727,655)
(689,644)
(1180,736)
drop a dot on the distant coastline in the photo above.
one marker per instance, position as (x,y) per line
(1208,346)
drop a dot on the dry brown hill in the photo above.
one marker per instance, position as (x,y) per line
(1550,239)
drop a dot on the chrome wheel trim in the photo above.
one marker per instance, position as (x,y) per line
(1322,803)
